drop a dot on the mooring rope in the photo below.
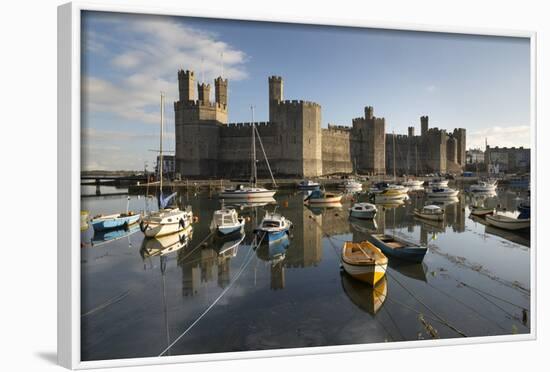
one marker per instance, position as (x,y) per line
(107,303)
(247,260)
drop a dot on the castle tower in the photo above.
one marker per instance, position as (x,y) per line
(186,84)
(370,144)
(275,93)
(460,135)
(197,126)
(411,131)
(204,93)
(369,112)
(220,86)
(423,125)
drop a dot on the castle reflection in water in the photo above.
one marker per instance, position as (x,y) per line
(206,265)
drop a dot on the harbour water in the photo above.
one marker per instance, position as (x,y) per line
(207,296)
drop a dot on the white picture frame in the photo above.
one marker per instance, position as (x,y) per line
(69,16)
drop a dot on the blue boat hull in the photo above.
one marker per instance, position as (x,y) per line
(270,237)
(114,223)
(412,254)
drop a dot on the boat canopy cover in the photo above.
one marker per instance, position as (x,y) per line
(165,201)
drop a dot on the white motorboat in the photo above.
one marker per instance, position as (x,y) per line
(167,220)
(441,192)
(363,211)
(484,186)
(415,184)
(480,211)
(273,227)
(226,221)
(253,191)
(308,185)
(430,212)
(438,182)
(508,223)
(350,185)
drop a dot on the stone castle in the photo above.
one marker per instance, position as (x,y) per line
(207,145)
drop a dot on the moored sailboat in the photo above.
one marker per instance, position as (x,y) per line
(253,191)
(167,220)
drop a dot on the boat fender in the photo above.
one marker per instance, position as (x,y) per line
(125,226)
(143,227)
(182,223)
(182,239)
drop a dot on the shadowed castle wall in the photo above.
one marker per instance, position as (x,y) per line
(336,152)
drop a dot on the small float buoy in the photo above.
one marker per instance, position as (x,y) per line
(196,218)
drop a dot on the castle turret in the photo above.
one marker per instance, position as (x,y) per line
(186,83)
(220,86)
(275,93)
(411,131)
(423,125)
(204,93)
(369,112)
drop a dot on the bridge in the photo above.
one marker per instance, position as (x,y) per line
(111,180)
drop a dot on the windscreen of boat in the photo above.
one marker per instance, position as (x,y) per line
(270,224)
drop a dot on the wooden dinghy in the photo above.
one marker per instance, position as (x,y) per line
(364,261)
(508,223)
(398,248)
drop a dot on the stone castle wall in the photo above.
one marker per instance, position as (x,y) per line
(296,146)
(336,150)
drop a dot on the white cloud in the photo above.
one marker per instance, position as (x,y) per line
(502,136)
(145,54)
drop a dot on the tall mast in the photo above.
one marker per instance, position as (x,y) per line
(393,136)
(254,168)
(161,130)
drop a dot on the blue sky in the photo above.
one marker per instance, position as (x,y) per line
(479,83)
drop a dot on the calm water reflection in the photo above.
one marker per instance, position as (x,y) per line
(139,297)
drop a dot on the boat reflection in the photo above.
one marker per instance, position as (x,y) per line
(367,298)
(365,226)
(444,202)
(163,245)
(275,254)
(320,208)
(247,203)
(411,270)
(228,246)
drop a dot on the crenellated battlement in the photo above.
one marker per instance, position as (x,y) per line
(185,74)
(178,105)
(338,126)
(275,78)
(244,129)
(297,103)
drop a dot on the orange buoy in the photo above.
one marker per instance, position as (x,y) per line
(285,204)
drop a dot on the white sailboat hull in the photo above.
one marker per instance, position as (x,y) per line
(247,194)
